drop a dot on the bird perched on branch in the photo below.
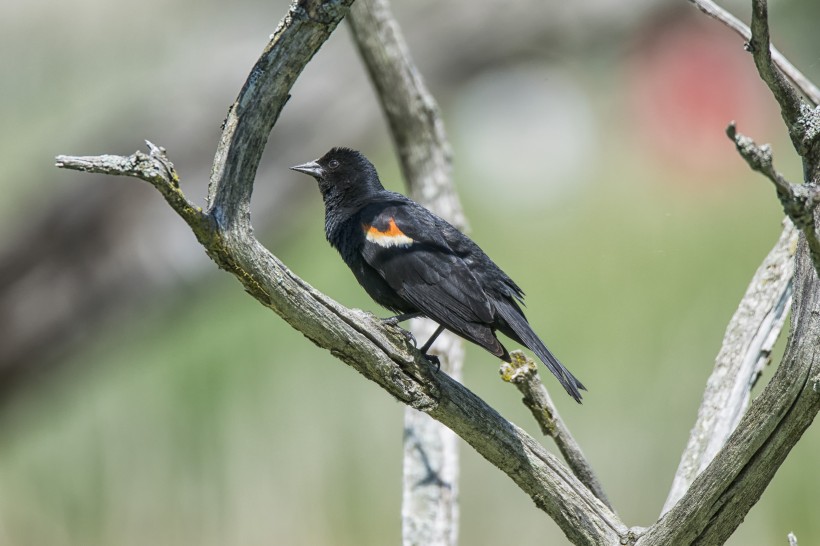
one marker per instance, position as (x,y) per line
(416,264)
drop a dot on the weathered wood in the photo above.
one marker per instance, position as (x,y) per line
(745,351)
(721,496)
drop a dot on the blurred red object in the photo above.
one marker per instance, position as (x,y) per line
(689,77)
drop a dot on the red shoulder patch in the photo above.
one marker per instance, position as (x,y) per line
(391,236)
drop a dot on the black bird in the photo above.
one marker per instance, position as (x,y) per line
(416,264)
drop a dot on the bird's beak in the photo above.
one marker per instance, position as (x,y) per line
(311,167)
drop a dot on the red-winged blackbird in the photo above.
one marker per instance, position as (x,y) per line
(416,264)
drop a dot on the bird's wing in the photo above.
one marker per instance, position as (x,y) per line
(498,282)
(405,245)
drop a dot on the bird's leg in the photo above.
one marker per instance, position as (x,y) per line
(430,341)
(424,348)
(394,321)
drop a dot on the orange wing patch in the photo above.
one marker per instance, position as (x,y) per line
(392,236)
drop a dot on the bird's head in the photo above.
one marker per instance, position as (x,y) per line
(343,174)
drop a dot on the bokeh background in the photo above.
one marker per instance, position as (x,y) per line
(145,399)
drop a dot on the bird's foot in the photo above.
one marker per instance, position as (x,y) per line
(408,335)
(393,322)
(434,360)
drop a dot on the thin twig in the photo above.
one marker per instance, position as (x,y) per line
(430,469)
(522,372)
(759,159)
(799,201)
(806,86)
(154,168)
(745,351)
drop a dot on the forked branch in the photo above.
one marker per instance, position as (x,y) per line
(721,495)
(378,352)
(799,80)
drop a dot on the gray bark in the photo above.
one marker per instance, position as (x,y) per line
(746,350)
(721,496)
(523,373)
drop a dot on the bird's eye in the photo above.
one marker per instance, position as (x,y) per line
(333,163)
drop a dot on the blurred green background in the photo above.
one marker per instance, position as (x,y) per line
(147,400)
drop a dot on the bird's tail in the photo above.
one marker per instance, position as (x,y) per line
(513,316)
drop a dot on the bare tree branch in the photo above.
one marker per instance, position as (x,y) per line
(759,159)
(799,201)
(721,496)
(384,356)
(746,349)
(430,469)
(759,44)
(802,121)
(806,86)
(430,501)
(523,373)
(252,116)
(154,168)
(414,119)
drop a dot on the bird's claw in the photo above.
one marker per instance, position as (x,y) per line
(393,322)
(434,360)
(408,335)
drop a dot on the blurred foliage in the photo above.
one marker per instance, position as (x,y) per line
(204,419)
